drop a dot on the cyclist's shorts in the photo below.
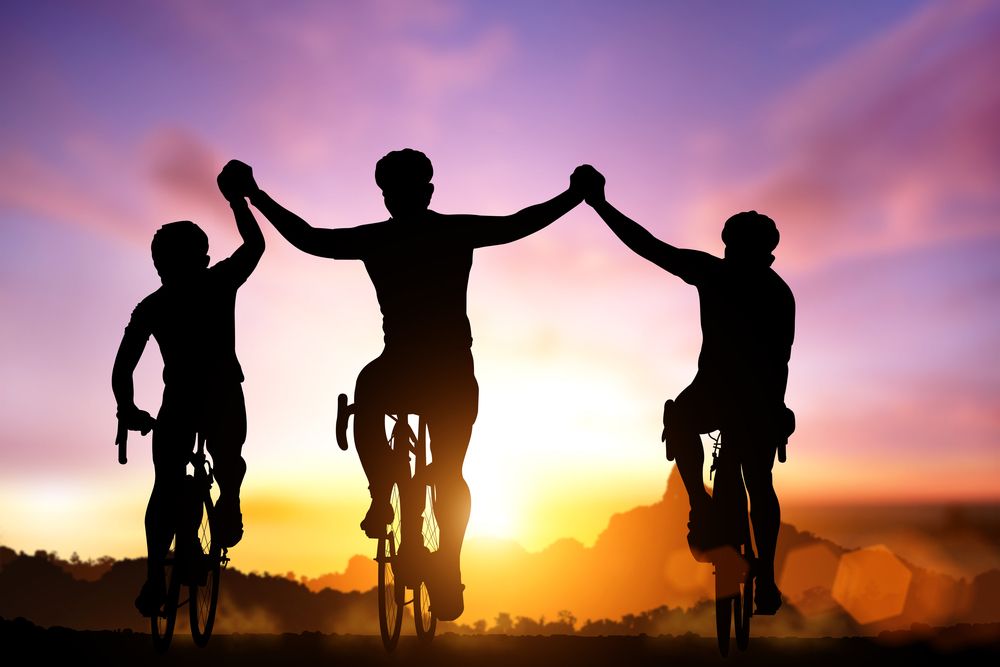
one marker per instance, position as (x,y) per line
(705,407)
(436,387)
(219,414)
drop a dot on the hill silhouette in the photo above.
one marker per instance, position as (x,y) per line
(641,562)
(637,578)
(39,587)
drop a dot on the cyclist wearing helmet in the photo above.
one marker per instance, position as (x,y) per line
(191,316)
(748,323)
(419,262)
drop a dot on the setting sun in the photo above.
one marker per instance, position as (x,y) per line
(495,511)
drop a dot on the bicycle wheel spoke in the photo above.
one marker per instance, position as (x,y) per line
(389,594)
(430,525)
(205,534)
(397,512)
(162,623)
(204,583)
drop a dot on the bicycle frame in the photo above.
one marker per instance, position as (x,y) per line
(736,559)
(408,491)
(195,533)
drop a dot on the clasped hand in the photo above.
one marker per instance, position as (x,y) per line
(588,183)
(236,181)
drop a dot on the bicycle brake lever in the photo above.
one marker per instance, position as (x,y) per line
(343,412)
(121,439)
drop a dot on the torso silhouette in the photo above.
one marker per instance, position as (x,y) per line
(420,270)
(747,322)
(193,322)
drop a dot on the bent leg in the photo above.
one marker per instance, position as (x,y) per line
(450,431)
(689,416)
(171,442)
(369,426)
(371,400)
(225,431)
(450,435)
(225,434)
(765,513)
(161,510)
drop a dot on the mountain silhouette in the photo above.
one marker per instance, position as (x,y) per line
(39,587)
(641,562)
(637,578)
(361,575)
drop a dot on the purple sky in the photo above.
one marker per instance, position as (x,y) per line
(867,131)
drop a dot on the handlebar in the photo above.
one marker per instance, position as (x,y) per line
(344,411)
(782,456)
(121,439)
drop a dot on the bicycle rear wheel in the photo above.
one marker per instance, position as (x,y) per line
(161,626)
(726,608)
(204,584)
(746,598)
(390,592)
(426,621)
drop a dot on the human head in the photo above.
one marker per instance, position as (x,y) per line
(405,179)
(180,249)
(750,237)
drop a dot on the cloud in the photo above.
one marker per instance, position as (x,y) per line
(893,146)
(183,167)
(33,185)
(124,192)
(431,71)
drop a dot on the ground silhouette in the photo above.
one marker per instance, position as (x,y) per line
(958,645)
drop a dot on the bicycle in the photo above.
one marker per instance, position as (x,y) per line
(410,451)
(735,559)
(195,560)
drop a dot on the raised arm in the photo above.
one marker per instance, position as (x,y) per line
(687,264)
(349,243)
(497,230)
(636,237)
(244,260)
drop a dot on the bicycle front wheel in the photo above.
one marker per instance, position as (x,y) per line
(161,626)
(746,597)
(424,618)
(390,592)
(204,584)
(426,621)
(727,607)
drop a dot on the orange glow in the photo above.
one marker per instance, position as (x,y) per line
(807,571)
(871,584)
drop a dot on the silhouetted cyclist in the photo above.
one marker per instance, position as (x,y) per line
(419,263)
(191,316)
(747,323)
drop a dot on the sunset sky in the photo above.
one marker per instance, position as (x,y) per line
(868,131)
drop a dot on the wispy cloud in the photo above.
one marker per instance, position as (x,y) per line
(30,184)
(892,146)
(182,169)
